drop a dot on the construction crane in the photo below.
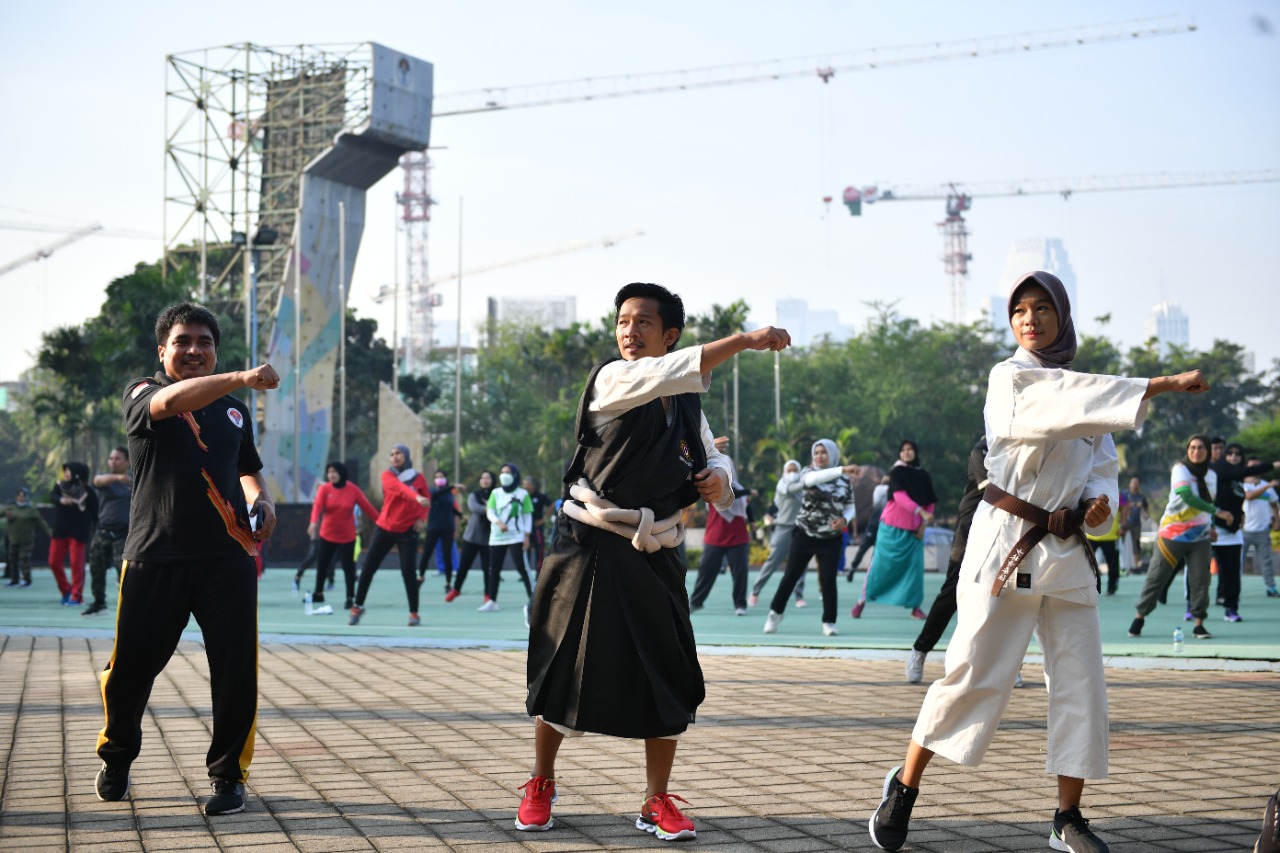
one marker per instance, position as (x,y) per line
(601,242)
(46,251)
(416,200)
(823,66)
(958,198)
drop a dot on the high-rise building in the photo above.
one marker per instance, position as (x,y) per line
(1041,253)
(1169,326)
(549,312)
(805,326)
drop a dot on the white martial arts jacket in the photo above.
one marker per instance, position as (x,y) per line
(1049,436)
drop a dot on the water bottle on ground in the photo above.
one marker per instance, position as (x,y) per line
(307,605)
(1177,640)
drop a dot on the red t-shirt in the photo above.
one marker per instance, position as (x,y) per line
(724,533)
(334,509)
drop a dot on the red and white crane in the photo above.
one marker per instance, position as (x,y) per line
(959,196)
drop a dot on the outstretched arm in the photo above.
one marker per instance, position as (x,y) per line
(1191,382)
(718,352)
(188,395)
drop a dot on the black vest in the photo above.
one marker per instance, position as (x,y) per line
(640,460)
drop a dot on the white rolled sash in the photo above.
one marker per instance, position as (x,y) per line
(645,532)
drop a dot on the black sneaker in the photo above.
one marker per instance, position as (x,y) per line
(112,783)
(1071,833)
(1200,632)
(94,609)
(1135,627)
(228,798)
(1269,840)
(890,822)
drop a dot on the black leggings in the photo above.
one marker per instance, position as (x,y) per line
(468,556)
(326,552)
(1228,558)
(497,554)
(383,541)
(445,537)
(803,546)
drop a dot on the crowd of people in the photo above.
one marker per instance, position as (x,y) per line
(611,639)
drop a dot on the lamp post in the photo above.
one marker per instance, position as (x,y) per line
(342,332)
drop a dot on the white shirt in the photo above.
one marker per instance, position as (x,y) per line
(1050,445)
(1257,512)
(621,386)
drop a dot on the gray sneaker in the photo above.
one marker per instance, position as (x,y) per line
(892,819)
(915,667)
(1071,833)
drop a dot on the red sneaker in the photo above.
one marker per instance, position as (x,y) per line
(856,612)
(917,613)
(534,814)
(451,595)
(662,817)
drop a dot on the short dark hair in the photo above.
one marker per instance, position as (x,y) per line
(1254,460)
(123,451)
(1217,439)
(670,305)
(187,313)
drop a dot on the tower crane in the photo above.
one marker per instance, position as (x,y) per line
(416,200)
(577,246)
(958,198)
(823,66)
(46,251)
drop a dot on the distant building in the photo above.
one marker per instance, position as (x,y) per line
(1042,253)
(807,327)
(552,312)
(1169,326)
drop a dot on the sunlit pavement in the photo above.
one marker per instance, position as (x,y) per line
(388,737)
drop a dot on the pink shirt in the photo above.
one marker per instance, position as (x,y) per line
(900,512)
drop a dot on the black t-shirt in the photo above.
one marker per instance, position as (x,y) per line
(113,512)
(188,503)
(541,503)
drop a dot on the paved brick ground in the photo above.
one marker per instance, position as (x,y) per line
(391,748)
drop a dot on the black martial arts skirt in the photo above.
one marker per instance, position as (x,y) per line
(611,647)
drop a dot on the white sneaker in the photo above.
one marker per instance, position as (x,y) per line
(915,667)
(322,610)
(753,601)
(772,622)
(829,629)
(741,611)
(800,602)
(1017,681)
(488,607)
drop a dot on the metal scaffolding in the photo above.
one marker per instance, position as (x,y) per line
(241,123)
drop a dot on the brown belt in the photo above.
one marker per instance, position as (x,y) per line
(1063,523)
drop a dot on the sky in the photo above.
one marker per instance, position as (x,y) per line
(726,183)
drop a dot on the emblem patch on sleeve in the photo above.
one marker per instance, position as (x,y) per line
(236,418)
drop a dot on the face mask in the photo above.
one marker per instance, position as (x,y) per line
(793,475)
(506,479)
(442,481)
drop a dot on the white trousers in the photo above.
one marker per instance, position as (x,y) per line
(962,709)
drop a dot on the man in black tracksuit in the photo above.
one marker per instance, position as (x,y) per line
(189,551)
(115,490)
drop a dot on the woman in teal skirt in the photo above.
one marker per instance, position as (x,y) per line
(896,575)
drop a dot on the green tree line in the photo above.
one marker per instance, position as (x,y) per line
(896,378)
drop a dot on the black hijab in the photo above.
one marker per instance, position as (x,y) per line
(909,477)
(481,493)
(341,471)
(1062,351)
(515,475)
(1199,469)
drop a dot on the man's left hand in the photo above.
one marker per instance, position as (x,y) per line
(265,512)
(711,483)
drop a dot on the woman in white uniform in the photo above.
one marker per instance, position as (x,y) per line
(1051,470)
